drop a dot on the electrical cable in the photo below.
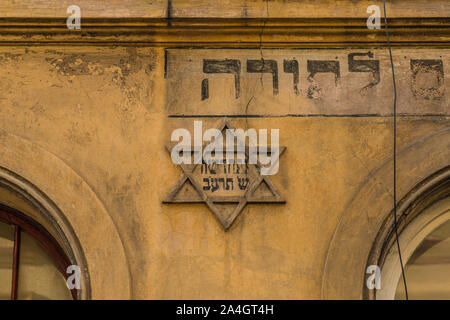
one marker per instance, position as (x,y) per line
(395,149)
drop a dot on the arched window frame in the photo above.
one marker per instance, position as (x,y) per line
(23,223)
(410,212)
(410,239)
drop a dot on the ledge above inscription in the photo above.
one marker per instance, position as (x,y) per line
(249,82)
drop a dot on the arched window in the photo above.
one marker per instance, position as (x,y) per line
(32,264)
(428,269)
(425,247)
(423,228)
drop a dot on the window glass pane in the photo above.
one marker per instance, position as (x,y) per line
(428,270)
(38,276)
(6,259)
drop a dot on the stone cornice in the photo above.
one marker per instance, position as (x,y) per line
(144,9)
(227,33)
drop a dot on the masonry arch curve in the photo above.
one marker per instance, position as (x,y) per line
(422,164)
(43,186)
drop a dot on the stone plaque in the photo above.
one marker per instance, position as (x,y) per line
(225,188)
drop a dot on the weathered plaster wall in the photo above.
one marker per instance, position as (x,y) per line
(105,114)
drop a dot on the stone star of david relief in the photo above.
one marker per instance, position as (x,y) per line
(225,188)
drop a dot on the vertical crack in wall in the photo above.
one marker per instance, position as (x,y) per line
(260,39)
(262,59)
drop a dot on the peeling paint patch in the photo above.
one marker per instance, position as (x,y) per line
(9,57)
(82,64)
(77,65)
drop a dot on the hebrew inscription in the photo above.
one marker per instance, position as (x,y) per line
(372,66)
(224,177)
(225,188)
(324,66)
(221,66)
(267,66)
(305,82)
(291,66)
(434,87)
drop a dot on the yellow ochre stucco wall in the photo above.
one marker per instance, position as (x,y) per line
(86,117)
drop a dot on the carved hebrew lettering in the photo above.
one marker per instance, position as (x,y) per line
(221,66)
(422,87)
(207,187)
(212,168)
(228,186)
(291,66)
(214,184)
(321,66)
(372,66)
(265,66)
(243,182)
